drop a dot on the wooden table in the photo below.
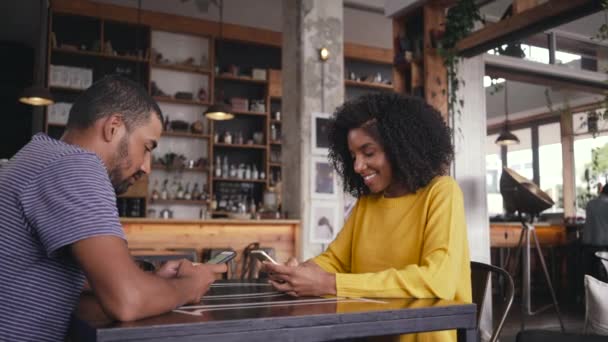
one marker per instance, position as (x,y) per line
(254,312)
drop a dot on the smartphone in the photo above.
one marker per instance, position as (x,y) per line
(222,257)
(262,256)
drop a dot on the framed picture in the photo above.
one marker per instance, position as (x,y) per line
(320,133)
(324,221)
(323,182)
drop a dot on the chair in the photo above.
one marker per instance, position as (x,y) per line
(481,274)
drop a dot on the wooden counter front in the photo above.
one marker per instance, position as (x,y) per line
(506,234)
(282,235)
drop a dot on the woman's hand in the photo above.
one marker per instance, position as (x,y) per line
(307,279)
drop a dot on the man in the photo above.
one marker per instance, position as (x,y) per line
(595,232)
(60,223)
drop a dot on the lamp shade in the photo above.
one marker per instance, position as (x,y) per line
(506,138)
(36,96)
(218,112)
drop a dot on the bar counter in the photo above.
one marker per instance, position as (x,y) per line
(163,234)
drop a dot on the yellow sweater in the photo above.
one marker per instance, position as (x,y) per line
(413,246)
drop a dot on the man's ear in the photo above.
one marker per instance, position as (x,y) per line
(111,126)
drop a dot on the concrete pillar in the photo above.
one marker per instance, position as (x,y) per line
(309,85)
(469,168)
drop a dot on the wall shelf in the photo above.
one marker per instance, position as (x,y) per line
(372,85)
(182,68)
(239,180)
(166,99)
(243,146)
(240,79)
(185,135)
(99,54)
(177,202)
(179,169)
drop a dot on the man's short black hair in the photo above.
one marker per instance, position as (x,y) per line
(113,94)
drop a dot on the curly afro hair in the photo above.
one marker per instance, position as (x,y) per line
(414,136)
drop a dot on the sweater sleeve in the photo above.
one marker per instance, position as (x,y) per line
(337,257)
(443,251)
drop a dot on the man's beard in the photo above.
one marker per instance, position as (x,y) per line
(120,184)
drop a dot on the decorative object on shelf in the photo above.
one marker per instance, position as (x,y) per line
(277,116)
(107,48)
(506,137)
(239,104)
(156,91)
(257,106)
(258,138)
(258,74)
(197,127)
(70,77)
(58,113)
(219,111)
(184,95)
(166,213)
(38,94)
(202,95)
(460,21)
(179,125)
(172,160)
(155,195)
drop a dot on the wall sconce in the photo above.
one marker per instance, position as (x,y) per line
(323,54)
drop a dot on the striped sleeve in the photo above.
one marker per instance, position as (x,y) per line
(71,200)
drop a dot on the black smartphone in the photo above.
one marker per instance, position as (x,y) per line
(222,257)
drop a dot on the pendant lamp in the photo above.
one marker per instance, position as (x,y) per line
(219,111)
(38,94)
(506,137)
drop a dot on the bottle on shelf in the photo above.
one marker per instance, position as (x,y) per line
(273,133)
(187,193)
(254,173)
(228,137)
(164,193)
(213,202)
(241,171)
(196,193)
(247,174)
(262,174)
(218,167)
(233,171)
(225,173)
(155,193)
(179,193)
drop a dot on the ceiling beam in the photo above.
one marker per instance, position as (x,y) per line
(516,69)
(537,19)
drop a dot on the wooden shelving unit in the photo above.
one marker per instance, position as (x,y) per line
(104,22)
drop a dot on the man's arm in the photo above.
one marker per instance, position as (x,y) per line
(125,292)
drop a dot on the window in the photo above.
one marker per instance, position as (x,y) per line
(587,181)
(550,163)
(493,172)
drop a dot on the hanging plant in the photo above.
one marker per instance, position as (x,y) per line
(460,21)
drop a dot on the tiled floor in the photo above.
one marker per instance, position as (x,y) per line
(573,316)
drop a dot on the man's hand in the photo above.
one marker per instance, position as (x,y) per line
(307,279)
(198,278)
(169,269)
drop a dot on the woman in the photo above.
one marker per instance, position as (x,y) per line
(406,236)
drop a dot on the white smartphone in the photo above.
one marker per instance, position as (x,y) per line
(262,256)
(222,257)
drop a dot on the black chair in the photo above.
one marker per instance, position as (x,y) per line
(481,274)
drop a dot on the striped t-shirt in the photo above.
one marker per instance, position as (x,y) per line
(52,194)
